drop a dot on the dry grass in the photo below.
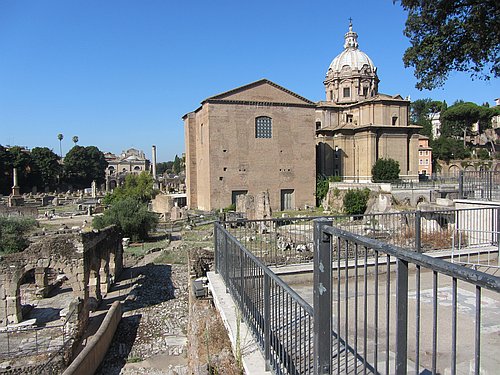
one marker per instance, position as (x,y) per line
(209,341)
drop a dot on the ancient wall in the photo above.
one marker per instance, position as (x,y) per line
(90,261)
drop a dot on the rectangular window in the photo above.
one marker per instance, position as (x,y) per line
(365,91)
(263,127)
(347,92)
(394,120)
(287,199)
(349,118)
(235,194)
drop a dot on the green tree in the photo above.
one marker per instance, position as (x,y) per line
(164,167)
(13,234)
(75,139)
(483,154)
(139,187)
(445,148)
(322,186)
(82,165)
(421,113)
(355,201)
(458,119)
(6,164)
(47,166)
(131,216)
(23,162)
(176,168)
(452,35)
(60,137)
(385,170)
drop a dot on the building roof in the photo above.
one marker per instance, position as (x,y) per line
(229,94)
(351,56)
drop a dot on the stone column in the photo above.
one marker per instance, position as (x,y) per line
(16,191)
(153,162)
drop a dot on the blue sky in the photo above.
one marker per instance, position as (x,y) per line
(122,73)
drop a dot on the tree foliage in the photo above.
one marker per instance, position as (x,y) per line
(131,216)
(452,35)
(47,167)
(421,113)
(5,170)
(163,167)
(82,165)
(139,187)
(322,186)
(445,148)
(13,234)
(385,170)
(460,117)
(176,167)
(355,201)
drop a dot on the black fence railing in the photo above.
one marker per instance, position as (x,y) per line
(28,341)
(479,185)
(280,320)
(398,311)
(378,308)
(290,240)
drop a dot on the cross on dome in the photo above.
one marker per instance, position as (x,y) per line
(351,37)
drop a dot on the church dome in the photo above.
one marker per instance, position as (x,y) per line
(351,56)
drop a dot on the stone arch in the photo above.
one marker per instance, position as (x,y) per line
(469,168)
(454,169)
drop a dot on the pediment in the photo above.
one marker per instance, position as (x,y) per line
(263,91)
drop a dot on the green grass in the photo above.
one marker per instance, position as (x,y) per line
(169,256)
(140,249)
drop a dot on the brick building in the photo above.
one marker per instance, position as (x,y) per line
(263,137)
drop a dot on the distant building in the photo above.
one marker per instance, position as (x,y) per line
(436,125)
(129,161)
(262,137)
(424,157)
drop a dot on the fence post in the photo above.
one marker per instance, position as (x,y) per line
(216,248)
(322,299)
(498,234)
(402,317)
(226,266)
(490,185)
(418,231)
(461,184)
(267,320)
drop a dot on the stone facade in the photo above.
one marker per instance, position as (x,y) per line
(129,161)
(263,137)
(90,261)
(424,157)
(227,156)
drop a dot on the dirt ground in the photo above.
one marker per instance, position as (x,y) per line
(165,329)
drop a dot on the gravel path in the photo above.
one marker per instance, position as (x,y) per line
(151,338)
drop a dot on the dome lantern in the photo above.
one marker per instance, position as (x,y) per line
(351,76)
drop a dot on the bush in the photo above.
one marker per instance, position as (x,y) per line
(13,234)
(131,216)
(483,154)
(355,201)
(385,170)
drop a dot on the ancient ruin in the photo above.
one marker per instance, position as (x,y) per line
(90,261)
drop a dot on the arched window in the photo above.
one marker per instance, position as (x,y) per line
(263,127)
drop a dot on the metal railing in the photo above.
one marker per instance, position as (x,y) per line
(378,308)
(398,311)
(26,341)
(287,241)
(479,185)
(280,320)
